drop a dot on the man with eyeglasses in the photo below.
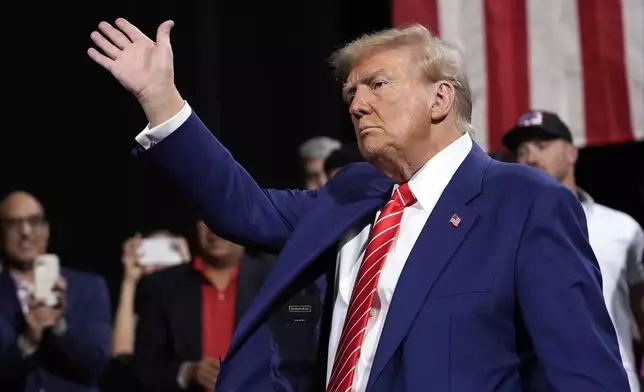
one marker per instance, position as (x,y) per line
(64,347)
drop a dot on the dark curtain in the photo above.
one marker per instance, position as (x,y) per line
(255,71)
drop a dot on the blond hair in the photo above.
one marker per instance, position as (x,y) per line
(438,59)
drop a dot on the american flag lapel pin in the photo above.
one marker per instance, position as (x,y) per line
(455,220)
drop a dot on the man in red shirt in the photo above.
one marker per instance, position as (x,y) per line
(187,314)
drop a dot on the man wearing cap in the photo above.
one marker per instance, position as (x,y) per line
(542,140)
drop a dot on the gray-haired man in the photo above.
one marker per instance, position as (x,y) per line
(313,153)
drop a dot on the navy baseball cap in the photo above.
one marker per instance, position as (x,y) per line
(536,125)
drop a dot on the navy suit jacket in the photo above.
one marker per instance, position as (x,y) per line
(509,300)
(72,362)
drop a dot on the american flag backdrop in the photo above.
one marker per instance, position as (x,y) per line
(583,59)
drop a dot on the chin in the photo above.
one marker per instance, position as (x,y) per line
(24,261)
(372,149)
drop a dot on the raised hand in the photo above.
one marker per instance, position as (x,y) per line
(142,66)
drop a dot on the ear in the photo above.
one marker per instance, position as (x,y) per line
(572,153)
(443,100)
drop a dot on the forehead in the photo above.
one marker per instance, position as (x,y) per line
(384,61)
(540,142)
(21,206)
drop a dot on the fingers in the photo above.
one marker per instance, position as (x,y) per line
(163,32)
(211,362)
(207,379)
(131,245)
(61,284)
(132,32)
(36,303)
(100,59)
(118,38)
(106,46)
(184,249)
(209,368)
(61,302)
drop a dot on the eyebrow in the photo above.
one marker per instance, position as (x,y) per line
(350,87)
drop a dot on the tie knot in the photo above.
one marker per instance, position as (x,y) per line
(404,196)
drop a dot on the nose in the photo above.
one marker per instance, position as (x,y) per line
(25,228)
(360,106)
(530,157)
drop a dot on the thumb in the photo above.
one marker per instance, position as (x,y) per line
(163,32)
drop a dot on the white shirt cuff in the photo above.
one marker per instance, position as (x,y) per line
(26,348)
(61,327)
(149,137)
(181,381)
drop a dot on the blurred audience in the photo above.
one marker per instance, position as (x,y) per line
(187,313)
(543,141)
(125,319)
(120,375)
(61,346)
(339,158)
(313,152)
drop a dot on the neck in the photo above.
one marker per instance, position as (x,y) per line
(225,263)
(402,165)
(219,270)
(569,181)
(570,184)
(21,271)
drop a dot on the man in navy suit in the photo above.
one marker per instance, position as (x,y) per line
(63,348)
(489,282)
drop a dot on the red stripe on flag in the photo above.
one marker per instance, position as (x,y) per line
(606,102)
(424,12)
(508,88)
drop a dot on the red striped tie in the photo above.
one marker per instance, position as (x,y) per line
(382,237)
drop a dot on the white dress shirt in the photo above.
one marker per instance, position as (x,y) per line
(427,184)
(618,243)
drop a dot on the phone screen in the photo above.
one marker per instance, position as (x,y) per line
(159,251)
(46,273)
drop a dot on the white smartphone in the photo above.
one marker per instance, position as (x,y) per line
(46,273)
(159,251)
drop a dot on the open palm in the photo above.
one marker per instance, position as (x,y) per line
(141,65)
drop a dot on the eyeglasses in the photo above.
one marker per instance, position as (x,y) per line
(34,221)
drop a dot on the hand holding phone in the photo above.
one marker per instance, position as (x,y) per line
(46,274)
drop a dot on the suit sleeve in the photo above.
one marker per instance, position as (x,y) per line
(82,352)
(227,198)
(13,364)
(156,371)
(559,291)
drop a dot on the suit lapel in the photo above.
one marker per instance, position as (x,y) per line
(332,217)
(10,302)
(8,289)
(431,254)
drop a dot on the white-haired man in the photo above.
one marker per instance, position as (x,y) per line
(433,268)
(313,153)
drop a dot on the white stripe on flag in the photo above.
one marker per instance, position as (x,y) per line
(555,62)
(462,22)
(633,22)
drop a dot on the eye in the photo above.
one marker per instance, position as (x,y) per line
(377,84)
(543,144)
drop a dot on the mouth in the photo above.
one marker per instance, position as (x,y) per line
(26,245)
(366,129)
